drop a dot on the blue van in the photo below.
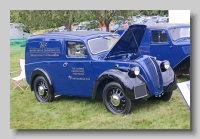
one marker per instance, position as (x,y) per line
(96,64)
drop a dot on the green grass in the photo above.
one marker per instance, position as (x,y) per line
(84,113)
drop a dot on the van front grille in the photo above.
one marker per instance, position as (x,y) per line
(155,74)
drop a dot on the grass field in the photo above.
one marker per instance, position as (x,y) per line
(84,113)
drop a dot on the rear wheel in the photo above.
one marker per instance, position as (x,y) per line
(42,89)
(115,100)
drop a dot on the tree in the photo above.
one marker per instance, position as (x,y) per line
(153,12)
(104,17)
(69,16)
(14,16)
(45,19)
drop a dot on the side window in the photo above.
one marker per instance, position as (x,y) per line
(159,36)
(76,49)
(26,30)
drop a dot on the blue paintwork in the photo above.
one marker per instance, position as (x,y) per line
(124,45)
(94,65)
(175,52)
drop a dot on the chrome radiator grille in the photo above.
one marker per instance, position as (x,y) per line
(155,74)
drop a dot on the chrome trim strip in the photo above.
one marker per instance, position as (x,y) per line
(156,72)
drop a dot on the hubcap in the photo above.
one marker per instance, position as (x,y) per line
(41,90)
(115,100)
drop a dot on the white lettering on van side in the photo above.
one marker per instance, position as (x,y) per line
(78,71)
(44,52)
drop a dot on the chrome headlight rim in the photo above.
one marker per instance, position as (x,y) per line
(165,64)
(135,70)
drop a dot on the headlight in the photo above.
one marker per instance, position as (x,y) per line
(135,70)
(165,65)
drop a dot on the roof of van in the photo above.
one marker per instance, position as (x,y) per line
(162,26)
(167,25)
(72,33)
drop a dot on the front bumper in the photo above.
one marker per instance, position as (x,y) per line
(172,86)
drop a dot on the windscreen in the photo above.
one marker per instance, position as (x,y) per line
(102,44)
(179,33)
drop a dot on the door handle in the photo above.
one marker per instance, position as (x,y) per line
(65,64)
(170,46)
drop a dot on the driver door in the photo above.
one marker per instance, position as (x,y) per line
(77,73)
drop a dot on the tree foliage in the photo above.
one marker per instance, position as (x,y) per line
(154,12)
(45,19)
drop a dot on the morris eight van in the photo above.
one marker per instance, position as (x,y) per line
(96,64)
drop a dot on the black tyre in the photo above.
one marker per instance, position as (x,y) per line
(151,98)
(42,89)
(166,96)
(115,100)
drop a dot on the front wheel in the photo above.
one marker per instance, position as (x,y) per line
(115,100)
(42,90)
(166,96)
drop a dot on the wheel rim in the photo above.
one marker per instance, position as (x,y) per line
(42,90)
(116,100)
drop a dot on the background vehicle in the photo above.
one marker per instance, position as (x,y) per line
(18,34)
(168,41)
(150,22)
(163,20)
(81,28)
(171,42)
